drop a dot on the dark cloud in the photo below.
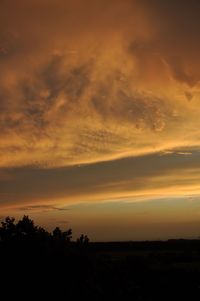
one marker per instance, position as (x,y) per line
(134,177)
(175,40)
(41,208)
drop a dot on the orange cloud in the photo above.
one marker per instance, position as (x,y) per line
(84,82)
(92,81)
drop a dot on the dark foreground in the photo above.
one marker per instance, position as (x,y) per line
(49,265)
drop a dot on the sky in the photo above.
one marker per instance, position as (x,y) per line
(99,116)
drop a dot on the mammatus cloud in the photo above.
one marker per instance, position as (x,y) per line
(89,81)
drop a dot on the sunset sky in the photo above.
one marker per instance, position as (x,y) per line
(100,116)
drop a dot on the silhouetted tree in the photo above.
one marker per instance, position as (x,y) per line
(8,229)
(83,239)
(57,233)
(26,226)
(67,235)
(25,230)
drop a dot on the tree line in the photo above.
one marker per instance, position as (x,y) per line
(26,230)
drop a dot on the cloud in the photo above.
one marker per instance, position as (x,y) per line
(41,208)
(135,178)
(85,82)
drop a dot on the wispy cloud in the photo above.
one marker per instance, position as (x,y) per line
(41,208)
(136,178)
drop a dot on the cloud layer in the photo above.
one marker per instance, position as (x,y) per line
(89,81)
(136,179)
